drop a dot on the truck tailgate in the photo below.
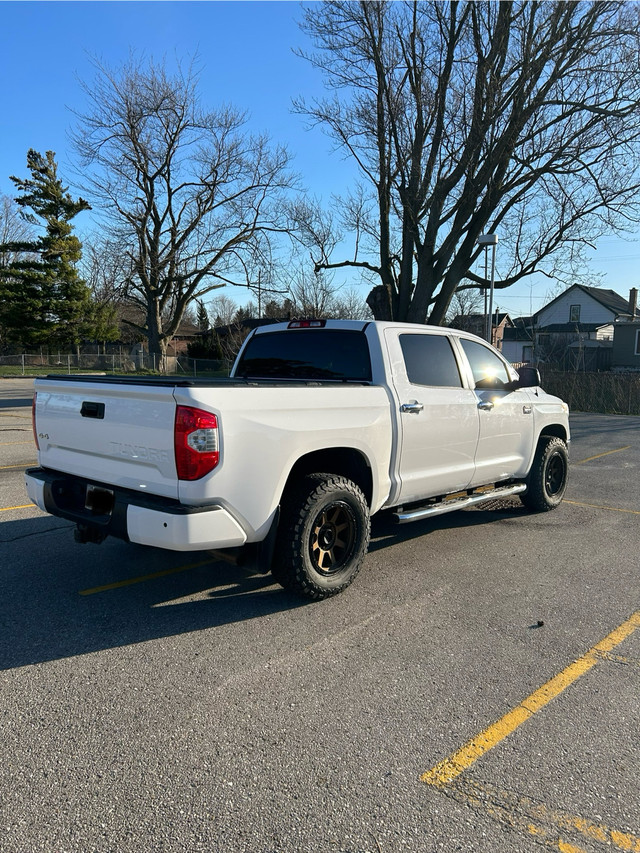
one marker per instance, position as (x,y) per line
(112,433)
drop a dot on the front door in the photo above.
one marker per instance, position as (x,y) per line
(506,417)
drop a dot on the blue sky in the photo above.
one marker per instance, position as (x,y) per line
(246,53)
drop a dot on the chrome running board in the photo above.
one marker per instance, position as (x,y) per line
(451,504)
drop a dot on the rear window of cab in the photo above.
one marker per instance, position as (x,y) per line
(307,354)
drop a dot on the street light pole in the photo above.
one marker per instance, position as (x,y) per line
(487,240)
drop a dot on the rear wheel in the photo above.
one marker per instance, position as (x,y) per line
(323,536)
(547,479)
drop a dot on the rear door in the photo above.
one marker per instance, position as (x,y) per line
(438,418)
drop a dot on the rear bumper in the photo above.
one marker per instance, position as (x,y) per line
(144,519)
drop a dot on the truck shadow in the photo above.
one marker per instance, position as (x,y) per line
(61,599)
(386,532)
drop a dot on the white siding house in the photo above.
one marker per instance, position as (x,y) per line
(574,331)
(582,305)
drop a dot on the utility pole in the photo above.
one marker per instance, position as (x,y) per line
(487,240)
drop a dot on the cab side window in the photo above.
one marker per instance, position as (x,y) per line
(489,371)
(429,360)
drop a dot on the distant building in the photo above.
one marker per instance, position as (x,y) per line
(626,338)
(476,325)
(518,341)
(575,330)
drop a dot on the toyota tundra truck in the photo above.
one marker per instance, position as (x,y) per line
(320,425)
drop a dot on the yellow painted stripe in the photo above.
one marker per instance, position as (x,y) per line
(24,465)
(11,443)
(143,578)
(599,506)
(23,506)
(600,455)
(563,847)
(448,769)
(547,825)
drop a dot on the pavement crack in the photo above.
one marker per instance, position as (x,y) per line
(36,533)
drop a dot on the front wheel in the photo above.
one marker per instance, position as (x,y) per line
(323,536)
(547,479)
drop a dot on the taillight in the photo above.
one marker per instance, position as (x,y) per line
(33,421)
(307,324)
(195,443)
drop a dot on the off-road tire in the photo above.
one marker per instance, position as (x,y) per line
(323,536)
(547,478)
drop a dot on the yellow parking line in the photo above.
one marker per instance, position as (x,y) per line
(450,768)
(546,825)
(600,455)
(599,506)
(11,443)
(23,506)
(24,465)
(143,578)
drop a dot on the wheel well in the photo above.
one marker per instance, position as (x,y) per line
(556,430)
(344,461)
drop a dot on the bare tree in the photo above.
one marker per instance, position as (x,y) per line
(350,305)
(466,118)
(222,310)
(313,295)
(14,229)
(465,303)
(188,193)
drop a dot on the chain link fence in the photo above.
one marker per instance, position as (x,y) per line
(29,364)
(605,393)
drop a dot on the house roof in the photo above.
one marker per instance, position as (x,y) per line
(466,321)
(608,298)
(519,332)
(591,345)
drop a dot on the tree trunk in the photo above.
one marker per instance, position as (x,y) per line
(155,337)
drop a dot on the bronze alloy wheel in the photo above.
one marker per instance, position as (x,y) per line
(332,538)
(323,535)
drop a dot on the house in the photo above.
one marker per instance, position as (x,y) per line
(185,334)
(582,306)
(476,324)
(575,330)
(518,341)
(626,338)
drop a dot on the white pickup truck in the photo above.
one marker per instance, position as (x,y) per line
(320,425)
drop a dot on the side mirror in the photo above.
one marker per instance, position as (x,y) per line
(529,377)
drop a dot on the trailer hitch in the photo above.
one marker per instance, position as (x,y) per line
(84,533)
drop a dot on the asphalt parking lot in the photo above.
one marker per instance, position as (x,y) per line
(477,688)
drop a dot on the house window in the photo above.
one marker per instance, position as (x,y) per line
(637,352)
(574,313)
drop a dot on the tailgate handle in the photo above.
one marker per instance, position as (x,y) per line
(92,410)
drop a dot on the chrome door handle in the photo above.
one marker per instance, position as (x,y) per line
(412,408)
(485,406)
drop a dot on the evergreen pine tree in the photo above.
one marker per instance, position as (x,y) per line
(43,298)
(202,317)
